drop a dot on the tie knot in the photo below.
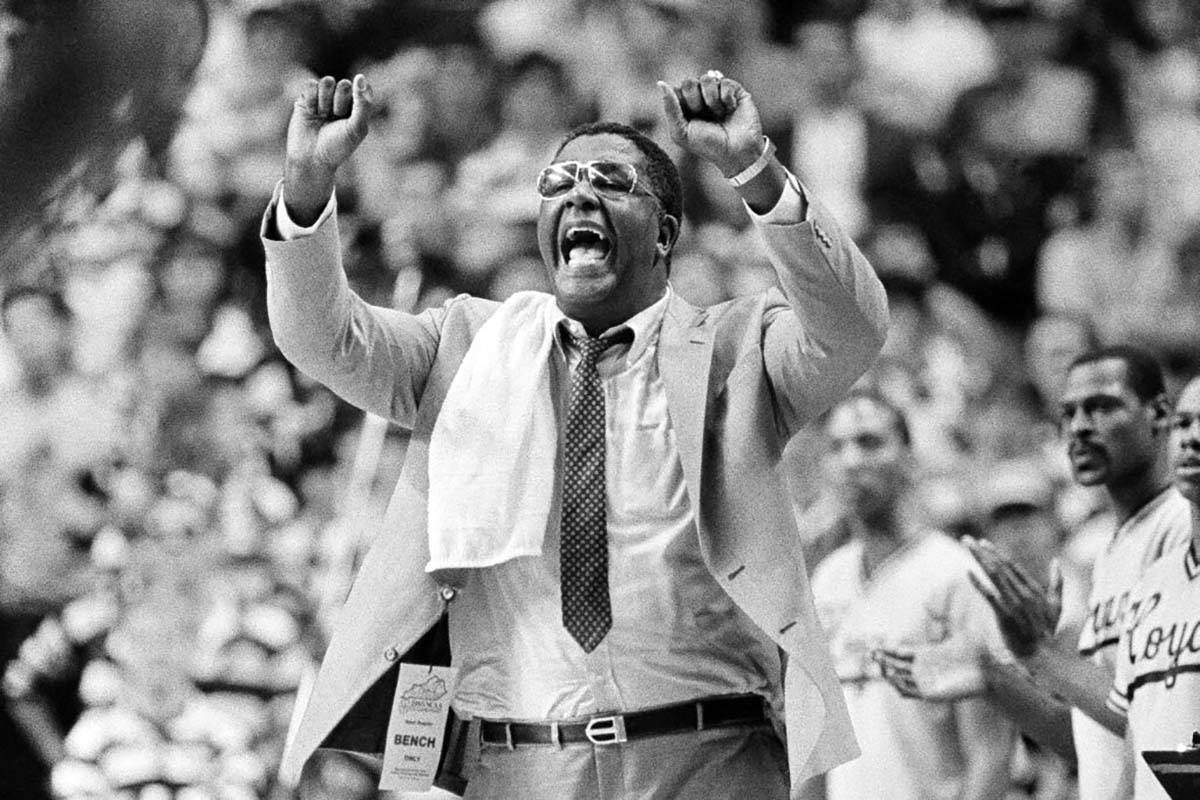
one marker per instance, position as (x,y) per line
(590,347)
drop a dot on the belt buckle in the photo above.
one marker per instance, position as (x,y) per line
(605,730)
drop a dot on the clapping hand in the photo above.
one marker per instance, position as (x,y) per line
(1027,612)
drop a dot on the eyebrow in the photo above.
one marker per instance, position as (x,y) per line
(1092,397)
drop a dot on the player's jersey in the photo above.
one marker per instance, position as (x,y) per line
(919,596)
(1158,527)
(1157,685)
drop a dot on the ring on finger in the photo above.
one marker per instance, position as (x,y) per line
(714,73)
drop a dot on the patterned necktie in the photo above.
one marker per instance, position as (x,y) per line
(586,610)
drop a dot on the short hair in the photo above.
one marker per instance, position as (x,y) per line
(898,418)
(1143,373)
(662,173)
(14,294)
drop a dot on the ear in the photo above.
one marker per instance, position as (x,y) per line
(1159,409)
(668,234)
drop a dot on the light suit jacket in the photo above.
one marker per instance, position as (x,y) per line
(740,378)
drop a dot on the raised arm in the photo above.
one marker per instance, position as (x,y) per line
(832,321)
(375,358)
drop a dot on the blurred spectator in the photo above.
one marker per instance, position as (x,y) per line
(1052,342)
(225,151)
(918,57)
(630,43)
(1162,87)
(1090,270)
(465,85)
(492,202)
(192,641)
(1126,271)
(982,196)
(58,438)
(1165,314)
(829,149)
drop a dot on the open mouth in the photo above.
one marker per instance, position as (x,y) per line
(582,246)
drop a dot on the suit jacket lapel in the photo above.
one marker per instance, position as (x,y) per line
(684,359)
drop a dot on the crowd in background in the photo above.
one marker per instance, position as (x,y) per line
(180,510)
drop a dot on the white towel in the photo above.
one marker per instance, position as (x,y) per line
(493,448)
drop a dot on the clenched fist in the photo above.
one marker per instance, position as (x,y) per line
(715,118)
(329,120)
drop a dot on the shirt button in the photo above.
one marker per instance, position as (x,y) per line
(448,593)
(390,654)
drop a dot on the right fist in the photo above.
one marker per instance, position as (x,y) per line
(329,120)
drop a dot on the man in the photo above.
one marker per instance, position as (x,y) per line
(1157,686)
(590,486)
(58,435)
(899,583)
(1113,414)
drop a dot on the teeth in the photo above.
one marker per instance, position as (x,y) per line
(581,245)
(574,234)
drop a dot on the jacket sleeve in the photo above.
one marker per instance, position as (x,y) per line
(374,358)
(830,323)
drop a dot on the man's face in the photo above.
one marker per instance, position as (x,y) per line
(1110,432)
(867,461)
(604,253)
(1185,442)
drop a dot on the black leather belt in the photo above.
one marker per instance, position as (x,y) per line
(711,712)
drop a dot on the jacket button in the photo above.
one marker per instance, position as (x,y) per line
(390,654)
(448,593)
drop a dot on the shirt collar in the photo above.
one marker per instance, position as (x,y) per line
(1146,510)
(645,326)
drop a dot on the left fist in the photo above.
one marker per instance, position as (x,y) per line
(714,118)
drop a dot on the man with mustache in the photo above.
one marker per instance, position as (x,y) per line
(1157,686)
(1114,415)
(591,493)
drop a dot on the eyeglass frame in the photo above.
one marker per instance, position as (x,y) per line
(589,169)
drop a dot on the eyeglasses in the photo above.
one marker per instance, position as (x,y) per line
(609,178)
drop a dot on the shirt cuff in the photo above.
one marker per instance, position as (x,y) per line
(286,226)
(790,208)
